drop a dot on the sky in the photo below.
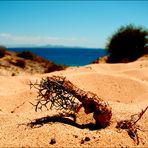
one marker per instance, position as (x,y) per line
(69,23)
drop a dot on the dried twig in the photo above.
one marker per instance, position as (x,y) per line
(60,93)
(18,107)
(130,125)
(52,94)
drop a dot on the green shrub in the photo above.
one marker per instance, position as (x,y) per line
(127,44)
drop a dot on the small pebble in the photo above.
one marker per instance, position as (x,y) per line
(76,136)
(52,141)
(87,139)
(13,74)
(82,141)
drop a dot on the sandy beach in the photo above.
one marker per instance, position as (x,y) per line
(123,86)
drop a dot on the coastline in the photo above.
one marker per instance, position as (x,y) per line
(70,56)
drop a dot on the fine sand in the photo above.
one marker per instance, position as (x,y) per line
(123,86)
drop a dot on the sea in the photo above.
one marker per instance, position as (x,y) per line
(66,56)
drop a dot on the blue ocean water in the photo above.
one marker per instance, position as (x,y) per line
(66,56)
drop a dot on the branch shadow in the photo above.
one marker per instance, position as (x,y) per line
(60,119)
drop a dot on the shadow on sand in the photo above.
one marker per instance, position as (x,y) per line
(60,119)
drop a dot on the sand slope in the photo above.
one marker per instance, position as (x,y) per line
(124,86)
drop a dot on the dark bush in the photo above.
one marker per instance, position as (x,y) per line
(19,63)
(26,55)
(54,67)
(2,51)
(127,44)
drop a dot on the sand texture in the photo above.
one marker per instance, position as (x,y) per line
(124,86)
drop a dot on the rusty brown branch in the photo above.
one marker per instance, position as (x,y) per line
(60,93)
(130,125)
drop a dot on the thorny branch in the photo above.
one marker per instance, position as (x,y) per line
(130,125)
(60,93)
(51,93)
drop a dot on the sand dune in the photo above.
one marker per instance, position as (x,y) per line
(124,86)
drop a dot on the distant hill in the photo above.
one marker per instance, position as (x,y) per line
(13,63)
(45,46)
